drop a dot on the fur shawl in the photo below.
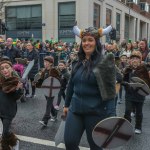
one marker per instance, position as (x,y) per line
(52,72)
(9,85)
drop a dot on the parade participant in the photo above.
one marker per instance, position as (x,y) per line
(10,92)
(48,71)
(64,77)
(32,55)
(132,97)
(91,89)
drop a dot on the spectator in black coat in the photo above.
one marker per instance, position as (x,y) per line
(11,51)
(32,55)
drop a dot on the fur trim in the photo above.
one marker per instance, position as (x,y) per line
(10,84)
(53,72)
(142,73)
(9,141)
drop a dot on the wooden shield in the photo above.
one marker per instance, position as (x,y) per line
(50,86)
(112,132)
(141,86)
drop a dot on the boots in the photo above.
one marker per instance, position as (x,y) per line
(8,141)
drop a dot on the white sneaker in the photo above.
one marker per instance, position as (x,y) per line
(28,95)
(138,131)
(56,107)
(53,119)
(33,96)
(43,123)
(132,114)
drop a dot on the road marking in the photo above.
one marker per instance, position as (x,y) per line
(44,142)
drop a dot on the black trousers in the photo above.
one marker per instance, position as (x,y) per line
(61,94)
(49,109)
(138,112)
(6,126)
(32,86)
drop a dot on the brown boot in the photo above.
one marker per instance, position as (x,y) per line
(9,141)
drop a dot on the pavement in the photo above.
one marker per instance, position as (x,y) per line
(35,137)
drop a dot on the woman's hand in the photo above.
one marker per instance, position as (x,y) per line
(65,111)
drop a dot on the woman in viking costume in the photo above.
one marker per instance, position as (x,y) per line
(135,74)
(10,92)
(91,89)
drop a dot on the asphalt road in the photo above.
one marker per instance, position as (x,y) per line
(34,137)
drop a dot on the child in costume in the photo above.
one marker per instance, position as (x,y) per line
(45,73)
(64,73)
(132,96)
(10,92)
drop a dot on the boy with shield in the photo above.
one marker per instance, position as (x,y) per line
(137,85)
(48,71)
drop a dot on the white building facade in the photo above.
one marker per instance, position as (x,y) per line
(43,19)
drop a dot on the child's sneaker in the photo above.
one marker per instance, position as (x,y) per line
(43,123)
(56,107)
(138,131)
(54,118)
(132,114)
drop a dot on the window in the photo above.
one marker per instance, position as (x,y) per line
(133,1)
(142,6)
(145,7)
(108,21)
(108,16)
(66,20)
(24,17)
(96,20)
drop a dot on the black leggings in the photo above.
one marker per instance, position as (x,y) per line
(6,126)
(138,111)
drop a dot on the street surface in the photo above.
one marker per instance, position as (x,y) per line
(35,137)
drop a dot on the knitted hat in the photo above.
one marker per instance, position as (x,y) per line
(49,59)
(5,61)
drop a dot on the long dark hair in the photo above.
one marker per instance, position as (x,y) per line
(88,64)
